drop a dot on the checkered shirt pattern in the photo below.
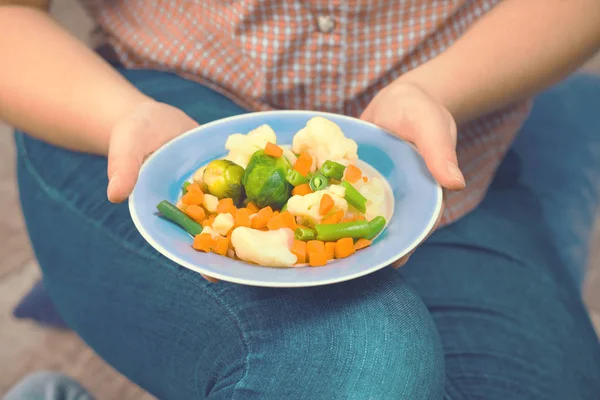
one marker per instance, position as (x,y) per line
(271,54)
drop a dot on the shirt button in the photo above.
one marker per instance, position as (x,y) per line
(325,23)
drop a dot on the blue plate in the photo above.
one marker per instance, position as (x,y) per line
(417,199)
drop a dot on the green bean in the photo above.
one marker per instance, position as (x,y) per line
(304,234)
(295,178)
(184,187)
(354,198)
(332,170)
(376,225)
(333,232)
(318,182)
(175,215)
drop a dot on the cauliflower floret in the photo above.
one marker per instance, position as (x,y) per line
(211,232)
(307,206)
(324,140)
(374,191)
(199,176)
(268,248)
(210,202)
(223,223)
(338,190)
(289,154)
(241,147)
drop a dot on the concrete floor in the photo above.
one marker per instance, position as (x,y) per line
(26,348)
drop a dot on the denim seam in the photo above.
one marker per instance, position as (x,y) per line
(55,194)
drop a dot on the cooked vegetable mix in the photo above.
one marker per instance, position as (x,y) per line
(283,206)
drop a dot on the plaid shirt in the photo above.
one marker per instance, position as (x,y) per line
(327,55)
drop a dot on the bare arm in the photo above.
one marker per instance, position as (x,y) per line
(55,88)
(516,50)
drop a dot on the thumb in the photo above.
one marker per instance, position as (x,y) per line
(436,141)
(125,157)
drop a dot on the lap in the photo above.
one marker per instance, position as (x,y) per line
(488,281)
(178,336)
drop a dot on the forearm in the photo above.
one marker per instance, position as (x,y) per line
(53,87)
(516,50)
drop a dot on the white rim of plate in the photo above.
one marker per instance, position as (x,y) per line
(177,260)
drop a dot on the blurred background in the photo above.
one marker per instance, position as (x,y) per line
(26,347)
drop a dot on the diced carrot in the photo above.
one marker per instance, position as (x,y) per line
(265,213)
(221,245)
(208,221)
(288,220)
(334,218)
(344,248)
(359,217)
(242,217)
(330,250)
(203,242)
(193,198)
(326,204)
(303,164)
(195,212)
(299,249)
(353,173)
(315,246)
(365,179)
(226,206)
(362,243)
(276,222)
(253,208)
(194,187)
(317,259)
(258,223)
(273,150)
(301,190)
(275,213)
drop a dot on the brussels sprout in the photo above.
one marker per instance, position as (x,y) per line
(264,180)
(223,178)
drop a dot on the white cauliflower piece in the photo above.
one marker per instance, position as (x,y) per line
(241,147)
(211,232)
(289,154)
(267,248)
(223,223)
(338,190)
(374,191)
(324,140)
(307,206)
(211,203)
(199,176)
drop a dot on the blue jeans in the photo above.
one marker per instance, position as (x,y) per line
(47,386)
(488,308)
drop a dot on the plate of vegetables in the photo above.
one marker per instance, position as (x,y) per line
(285,199)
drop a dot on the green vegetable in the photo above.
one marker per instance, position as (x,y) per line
(333,232)
(177,216)
(318,182)
(332,170)
(284,207)
(184,187)
(295,178)
(304,234)
(265,180)
(376,225)
(354,198)
(223,178)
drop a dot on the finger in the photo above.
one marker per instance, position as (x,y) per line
(402,262)
(210,278)
(435,138)
(125,157)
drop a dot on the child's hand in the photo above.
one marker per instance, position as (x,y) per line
(407,111)
(135,137)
